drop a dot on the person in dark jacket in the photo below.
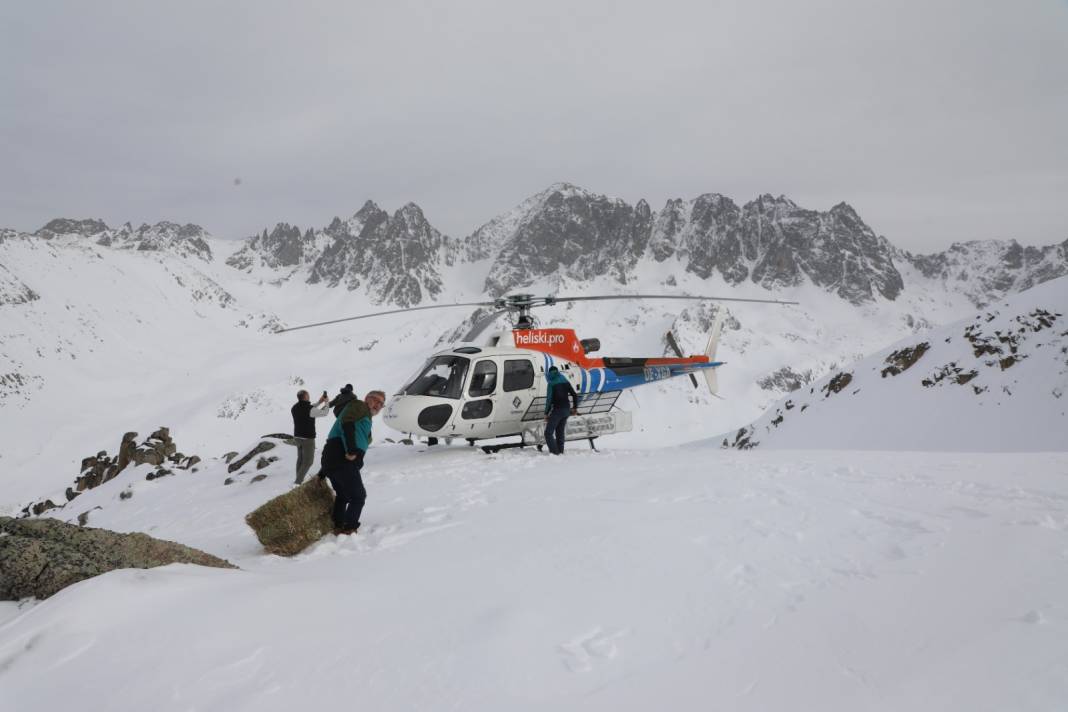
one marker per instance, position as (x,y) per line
(558,397)
(304,415)
(343,459)
(342,399)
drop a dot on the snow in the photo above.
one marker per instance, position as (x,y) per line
(1009,401)
(661,571)
(595,581)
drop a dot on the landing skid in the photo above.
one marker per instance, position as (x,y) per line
(490,449)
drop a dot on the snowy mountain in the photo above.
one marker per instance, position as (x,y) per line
(185,319)
(994,382)
(568,234)
(987,270)
(663,570)
(183,240)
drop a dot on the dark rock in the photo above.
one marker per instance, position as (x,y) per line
(126,494)
(838,383)
(230,455)
(785,380)
(257,478)
(902,359)
(229,481)
(262,447)
(39,557)
(126,449)
(65,226)
(42,507)
(265,462)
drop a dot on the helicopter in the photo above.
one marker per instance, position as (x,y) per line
(496,388)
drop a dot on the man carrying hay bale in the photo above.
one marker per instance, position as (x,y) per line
(343,459)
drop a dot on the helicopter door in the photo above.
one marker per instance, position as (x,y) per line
(517,391)
(476,417)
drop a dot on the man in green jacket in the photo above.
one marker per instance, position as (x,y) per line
(343,456)
(559,394)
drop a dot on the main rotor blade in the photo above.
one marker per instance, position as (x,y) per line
(383,313)
(480,325)
(670,296)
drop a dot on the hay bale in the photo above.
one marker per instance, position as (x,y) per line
(291,522)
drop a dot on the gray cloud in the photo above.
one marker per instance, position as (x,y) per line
(938,121)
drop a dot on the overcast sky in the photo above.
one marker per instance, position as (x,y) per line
(937,120)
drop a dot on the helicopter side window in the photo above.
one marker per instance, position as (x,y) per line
(483,379)
(518,374)
(443,376)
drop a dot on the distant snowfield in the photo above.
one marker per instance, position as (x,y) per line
(680,579)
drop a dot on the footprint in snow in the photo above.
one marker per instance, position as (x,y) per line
(581,653)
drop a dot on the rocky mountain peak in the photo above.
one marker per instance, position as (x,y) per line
(67,226)
(283,247)
(570,231)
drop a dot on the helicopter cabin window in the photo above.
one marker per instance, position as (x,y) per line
(476,409)
(483,379)
(518,374)
(443,376)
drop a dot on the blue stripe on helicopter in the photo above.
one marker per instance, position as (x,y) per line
(582,388)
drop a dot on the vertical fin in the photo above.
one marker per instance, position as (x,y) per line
(710,351)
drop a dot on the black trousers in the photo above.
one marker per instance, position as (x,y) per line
(554,430)
(349,495)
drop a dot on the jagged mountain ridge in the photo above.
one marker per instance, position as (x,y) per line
(187,240)
(566,232)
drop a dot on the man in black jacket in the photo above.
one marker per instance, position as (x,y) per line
(304,415)
(342,399)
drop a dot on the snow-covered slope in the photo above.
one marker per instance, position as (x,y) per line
(997,381)
(682,579)
(165,325)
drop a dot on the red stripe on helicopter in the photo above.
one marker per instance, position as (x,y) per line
(564,344)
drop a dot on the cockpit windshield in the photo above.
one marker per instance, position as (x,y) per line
(443,376)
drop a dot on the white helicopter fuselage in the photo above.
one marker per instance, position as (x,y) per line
(471,392)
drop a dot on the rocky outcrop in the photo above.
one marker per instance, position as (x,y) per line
(284,246)
(13,290)
(39,557)
(158,449)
